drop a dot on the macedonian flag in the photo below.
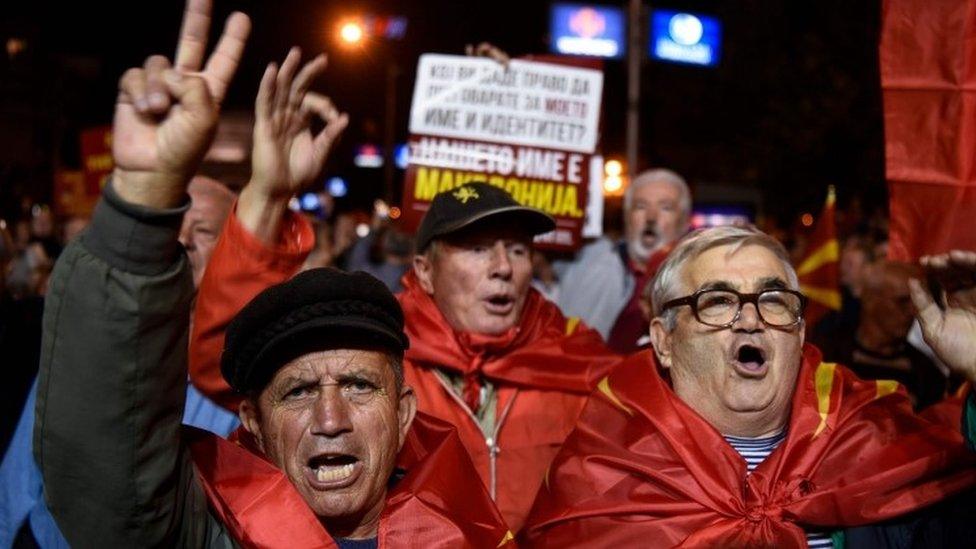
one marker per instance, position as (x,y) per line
(928,81)
(643,468)
(819,277)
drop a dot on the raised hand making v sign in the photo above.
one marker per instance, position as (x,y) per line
(166,114)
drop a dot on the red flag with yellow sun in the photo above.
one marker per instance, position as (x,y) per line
(818,272)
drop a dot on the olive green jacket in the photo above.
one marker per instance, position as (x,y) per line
(112,387)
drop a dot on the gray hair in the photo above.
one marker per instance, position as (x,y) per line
(432,250)
(396,362)
(667,284)
(660,175)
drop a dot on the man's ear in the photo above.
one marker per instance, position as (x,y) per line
(407,411)
(425,272)
(250,419)
(661,339)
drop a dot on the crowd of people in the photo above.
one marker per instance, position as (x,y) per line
(216,369)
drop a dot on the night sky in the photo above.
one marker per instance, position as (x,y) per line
(794,105)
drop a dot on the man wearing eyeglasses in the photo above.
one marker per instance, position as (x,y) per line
(745,438)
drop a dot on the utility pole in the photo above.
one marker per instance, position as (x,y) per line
(635,54)
(389,129)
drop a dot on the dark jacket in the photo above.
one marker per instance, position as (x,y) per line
(112,383)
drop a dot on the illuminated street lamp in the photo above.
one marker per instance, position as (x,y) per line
(613,180)
(376,30)
(352,32)
(612,185)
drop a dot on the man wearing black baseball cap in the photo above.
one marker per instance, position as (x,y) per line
(485,289)
(331,452)
(487,353)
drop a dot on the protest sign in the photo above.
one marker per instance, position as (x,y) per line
(96,158)
(72,196)
(530,128)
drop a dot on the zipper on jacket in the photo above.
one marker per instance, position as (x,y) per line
(493,449)
(490,441)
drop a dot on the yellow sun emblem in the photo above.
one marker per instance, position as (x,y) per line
(465,193)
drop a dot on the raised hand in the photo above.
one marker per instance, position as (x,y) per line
(950,329)
(287,156)
(166,115)
(489,50)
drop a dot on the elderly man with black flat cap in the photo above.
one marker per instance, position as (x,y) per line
(331,452)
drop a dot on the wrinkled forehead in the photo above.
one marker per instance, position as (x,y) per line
(334,364)
(747,268)
(490,230)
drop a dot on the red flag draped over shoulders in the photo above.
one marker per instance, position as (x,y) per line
(438,502)
(641,464)
(542,371)
(545,351)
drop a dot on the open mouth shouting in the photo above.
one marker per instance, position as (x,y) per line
(330,471)
(499,304)
(750,360)
(649,236)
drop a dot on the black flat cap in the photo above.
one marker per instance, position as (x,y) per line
(453,210)
(316,310)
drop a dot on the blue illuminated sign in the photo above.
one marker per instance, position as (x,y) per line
(581,29)
(718,215)
(368,156)
(685,38)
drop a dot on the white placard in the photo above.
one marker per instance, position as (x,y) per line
(526,103)
(593,227)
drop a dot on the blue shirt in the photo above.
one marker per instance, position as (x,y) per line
(21,484)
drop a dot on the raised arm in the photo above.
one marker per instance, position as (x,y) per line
(264,243)
(113,365)
(287,156)
(948,320)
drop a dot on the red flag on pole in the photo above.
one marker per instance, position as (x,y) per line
(818,272)
(928,80)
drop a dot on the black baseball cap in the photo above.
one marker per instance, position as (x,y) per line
(456,209)
(316,310)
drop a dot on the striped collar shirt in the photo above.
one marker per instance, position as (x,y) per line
(754,451)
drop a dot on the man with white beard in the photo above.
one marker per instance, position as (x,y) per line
(604,283)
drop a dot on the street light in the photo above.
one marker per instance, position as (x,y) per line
(352,32)
(613,181)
